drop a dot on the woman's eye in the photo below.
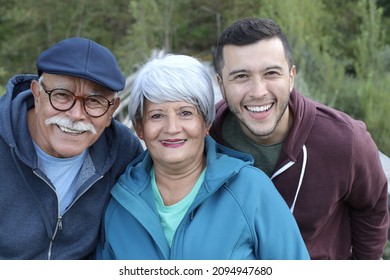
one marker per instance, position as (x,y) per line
(186,113)
(156,116)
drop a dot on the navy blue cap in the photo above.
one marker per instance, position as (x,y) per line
(85,59)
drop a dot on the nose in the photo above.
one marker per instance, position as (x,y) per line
(173,124)
(258,87)
(77,112)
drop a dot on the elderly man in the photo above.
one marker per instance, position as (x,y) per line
(61,152)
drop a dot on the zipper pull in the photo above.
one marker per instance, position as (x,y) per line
(60,222)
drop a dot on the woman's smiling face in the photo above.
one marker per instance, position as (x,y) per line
(174,133)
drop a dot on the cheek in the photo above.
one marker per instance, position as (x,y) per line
(108,121)
(198,130)
(234,95)
(236,90)
(40,107)
(44,111)
(100,125)
(148,131)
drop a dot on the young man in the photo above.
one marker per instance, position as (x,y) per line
(324,163)
(61,152)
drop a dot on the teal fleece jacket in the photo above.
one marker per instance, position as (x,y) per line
(237,214)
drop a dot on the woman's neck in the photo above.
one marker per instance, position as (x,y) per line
(174,185)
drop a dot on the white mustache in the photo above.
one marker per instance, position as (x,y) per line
(69,124)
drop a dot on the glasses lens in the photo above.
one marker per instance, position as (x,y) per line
(61,99)
(96,105)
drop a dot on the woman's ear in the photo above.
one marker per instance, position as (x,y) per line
(208,129)
(139,129)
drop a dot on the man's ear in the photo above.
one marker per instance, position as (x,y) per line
(112,110)
(34,87)
(221,87)
(292,77)
(117,101)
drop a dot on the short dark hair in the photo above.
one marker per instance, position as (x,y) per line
(249,31)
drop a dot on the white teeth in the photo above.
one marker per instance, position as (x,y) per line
(258,109)
(68,130)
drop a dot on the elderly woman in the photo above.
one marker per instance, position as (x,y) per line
(187,197)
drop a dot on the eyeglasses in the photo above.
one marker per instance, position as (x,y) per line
(63,100)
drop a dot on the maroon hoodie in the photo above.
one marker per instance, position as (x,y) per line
(330,174)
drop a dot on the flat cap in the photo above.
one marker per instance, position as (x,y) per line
(85,59)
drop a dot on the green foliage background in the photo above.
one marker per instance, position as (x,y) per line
(341,48)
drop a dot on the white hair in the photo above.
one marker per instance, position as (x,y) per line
(173,78)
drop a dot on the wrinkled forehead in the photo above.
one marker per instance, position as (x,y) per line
(75,84)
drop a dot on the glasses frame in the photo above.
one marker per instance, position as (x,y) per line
(76,97)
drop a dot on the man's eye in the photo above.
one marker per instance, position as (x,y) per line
(241,76)
(96,101)
(272,73)
(61,94)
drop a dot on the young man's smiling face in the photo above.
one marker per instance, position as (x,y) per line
(256,83)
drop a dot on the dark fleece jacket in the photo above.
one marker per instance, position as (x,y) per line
(30,224)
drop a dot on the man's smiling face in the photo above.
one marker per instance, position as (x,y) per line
(68,133)
(256,83)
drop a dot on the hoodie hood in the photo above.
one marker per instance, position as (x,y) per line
(14,105)
(304,114)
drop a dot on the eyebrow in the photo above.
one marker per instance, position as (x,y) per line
(274,67)
(246,71)
(94,91)
(237,71)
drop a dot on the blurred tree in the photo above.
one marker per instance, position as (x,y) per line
(28,27)
(341,48)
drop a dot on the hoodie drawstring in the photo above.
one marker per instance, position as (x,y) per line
(303,169)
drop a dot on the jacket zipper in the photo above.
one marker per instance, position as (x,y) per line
(59,218)
(187,219)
